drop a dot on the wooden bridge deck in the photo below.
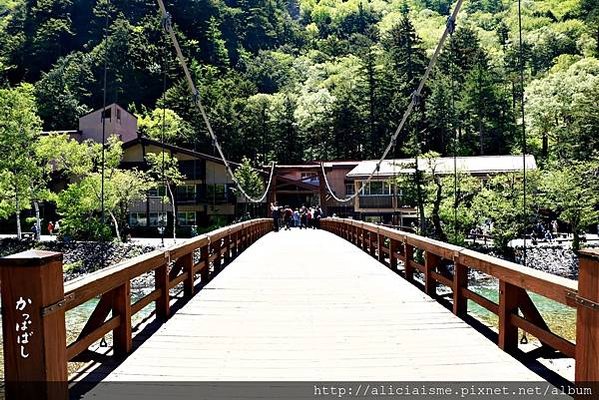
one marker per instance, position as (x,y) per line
(306,305)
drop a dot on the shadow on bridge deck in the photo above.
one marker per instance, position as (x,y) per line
(307,305)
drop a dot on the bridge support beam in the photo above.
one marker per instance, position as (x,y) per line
(33,325)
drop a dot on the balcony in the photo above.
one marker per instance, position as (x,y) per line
(376,201)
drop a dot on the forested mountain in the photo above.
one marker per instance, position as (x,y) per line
(307,79)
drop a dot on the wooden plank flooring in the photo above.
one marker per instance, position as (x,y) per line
(307,305)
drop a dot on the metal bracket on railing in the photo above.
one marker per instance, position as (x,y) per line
(167,256)
(58,305)
(593,305)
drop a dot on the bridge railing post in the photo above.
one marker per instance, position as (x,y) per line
(380,245)
(227,245)
(393,254)
(161,282)
(508,305)
(587,318)
(205,258)
(460,281)
(187,266)
(33,325)
(431,262)
(408,267)
(371,244)
(122,335)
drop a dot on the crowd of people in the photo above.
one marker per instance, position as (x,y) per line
(302,218)
(541,232)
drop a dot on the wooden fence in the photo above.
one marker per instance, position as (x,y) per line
(445,264)
(35,300)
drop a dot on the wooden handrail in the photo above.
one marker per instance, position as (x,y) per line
(515,281)
(46,359)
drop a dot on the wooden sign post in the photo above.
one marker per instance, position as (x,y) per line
(33,325)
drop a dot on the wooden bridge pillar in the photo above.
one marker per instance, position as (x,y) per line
(508,305)
(460,281)
(33,325)
(409,268)
(121,306)
(431,262)
(587,319)
(161,281)
(379,247)
(371,247)
(205,259)
(393,254)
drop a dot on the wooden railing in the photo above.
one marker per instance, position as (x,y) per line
(35,299)
(445,264)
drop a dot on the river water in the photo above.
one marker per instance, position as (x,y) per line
(560,318)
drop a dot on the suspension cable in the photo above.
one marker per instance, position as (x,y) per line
(455,143)
(449,28)
(103,173)
(162,135)
(524,183)
(167,25)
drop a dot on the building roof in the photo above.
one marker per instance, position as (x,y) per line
(316,165)
(175,149)
(62,132)
(109,106)
(476,165)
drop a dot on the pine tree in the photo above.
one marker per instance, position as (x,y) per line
(216,50)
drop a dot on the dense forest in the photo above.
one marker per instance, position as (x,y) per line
(305,79)
(311,80)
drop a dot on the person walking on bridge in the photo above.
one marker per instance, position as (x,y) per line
(276,215)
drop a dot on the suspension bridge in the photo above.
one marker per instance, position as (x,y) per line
(353,301)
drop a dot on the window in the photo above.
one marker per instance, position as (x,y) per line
(186,218)
(137,219)
(216,191)
(159,191)
(118,114)
(377,188)
(350,189)
(158,219)
(186,192)
(107,114)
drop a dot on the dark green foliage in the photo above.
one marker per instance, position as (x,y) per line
(297,80)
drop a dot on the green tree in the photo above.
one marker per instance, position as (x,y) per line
(63,92)
(164,122)
(164,169)
(80,204)
(563,114)
(216,50)
(22,176)
(572,191)
(500,202)
(250,180)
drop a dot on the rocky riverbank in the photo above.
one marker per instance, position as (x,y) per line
(556,259)
(80,258)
